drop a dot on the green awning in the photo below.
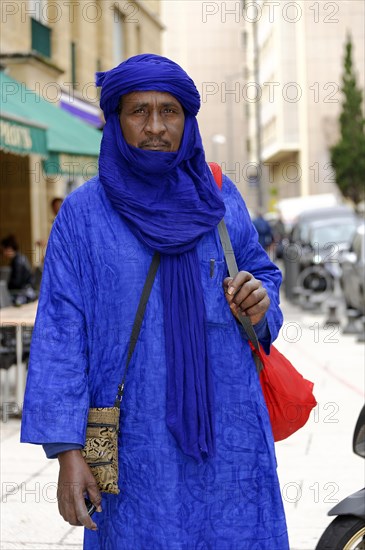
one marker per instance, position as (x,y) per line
(21,136)
(65,134)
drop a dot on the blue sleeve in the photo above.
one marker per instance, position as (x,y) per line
(52,450)
(252,257)
(56,398)
(263,333)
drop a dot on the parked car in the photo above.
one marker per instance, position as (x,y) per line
(326,239)
(320,236)
(353,272)
(319,261)
(300,230)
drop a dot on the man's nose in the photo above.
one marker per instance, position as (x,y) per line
(155,124)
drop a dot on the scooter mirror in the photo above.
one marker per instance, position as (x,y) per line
(358,443)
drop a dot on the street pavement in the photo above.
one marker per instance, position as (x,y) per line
(316,465)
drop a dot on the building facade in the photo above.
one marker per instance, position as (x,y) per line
(45,41)
(300,49)
(269,75)
(52,49)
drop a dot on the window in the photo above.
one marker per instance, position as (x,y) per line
(41,38)
(139,39)
(118,37)
(40,32)
(269,132)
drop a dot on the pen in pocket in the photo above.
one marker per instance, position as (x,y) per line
(212,265)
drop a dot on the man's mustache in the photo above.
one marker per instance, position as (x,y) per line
(154,143)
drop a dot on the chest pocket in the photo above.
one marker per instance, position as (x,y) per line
(213,273)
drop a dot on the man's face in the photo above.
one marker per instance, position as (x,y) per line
(153,121)
(8,252)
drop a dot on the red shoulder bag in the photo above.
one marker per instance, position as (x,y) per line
(289,397)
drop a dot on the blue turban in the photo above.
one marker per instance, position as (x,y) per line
(139,73)
(169,200)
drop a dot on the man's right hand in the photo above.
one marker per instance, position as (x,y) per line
(74,480)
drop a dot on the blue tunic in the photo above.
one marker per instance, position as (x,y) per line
(93,277)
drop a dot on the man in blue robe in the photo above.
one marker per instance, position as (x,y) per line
(197,467)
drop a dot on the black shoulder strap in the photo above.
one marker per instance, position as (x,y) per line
(233,270)
(138,321)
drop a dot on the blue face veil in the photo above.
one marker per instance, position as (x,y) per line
(169,201)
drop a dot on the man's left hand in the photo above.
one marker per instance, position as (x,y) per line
(246,294)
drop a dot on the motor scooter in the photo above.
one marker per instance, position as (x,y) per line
(347,530)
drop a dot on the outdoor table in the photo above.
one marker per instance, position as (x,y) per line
(22,316)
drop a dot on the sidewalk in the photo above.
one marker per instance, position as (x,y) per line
(316,465)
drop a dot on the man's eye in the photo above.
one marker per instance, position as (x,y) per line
(140,110)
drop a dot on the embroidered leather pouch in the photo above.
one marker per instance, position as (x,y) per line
(101,447)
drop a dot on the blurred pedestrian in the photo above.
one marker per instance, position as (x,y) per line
(264,230)
(56,204)
(197,465)
(279,235)
(21,272)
